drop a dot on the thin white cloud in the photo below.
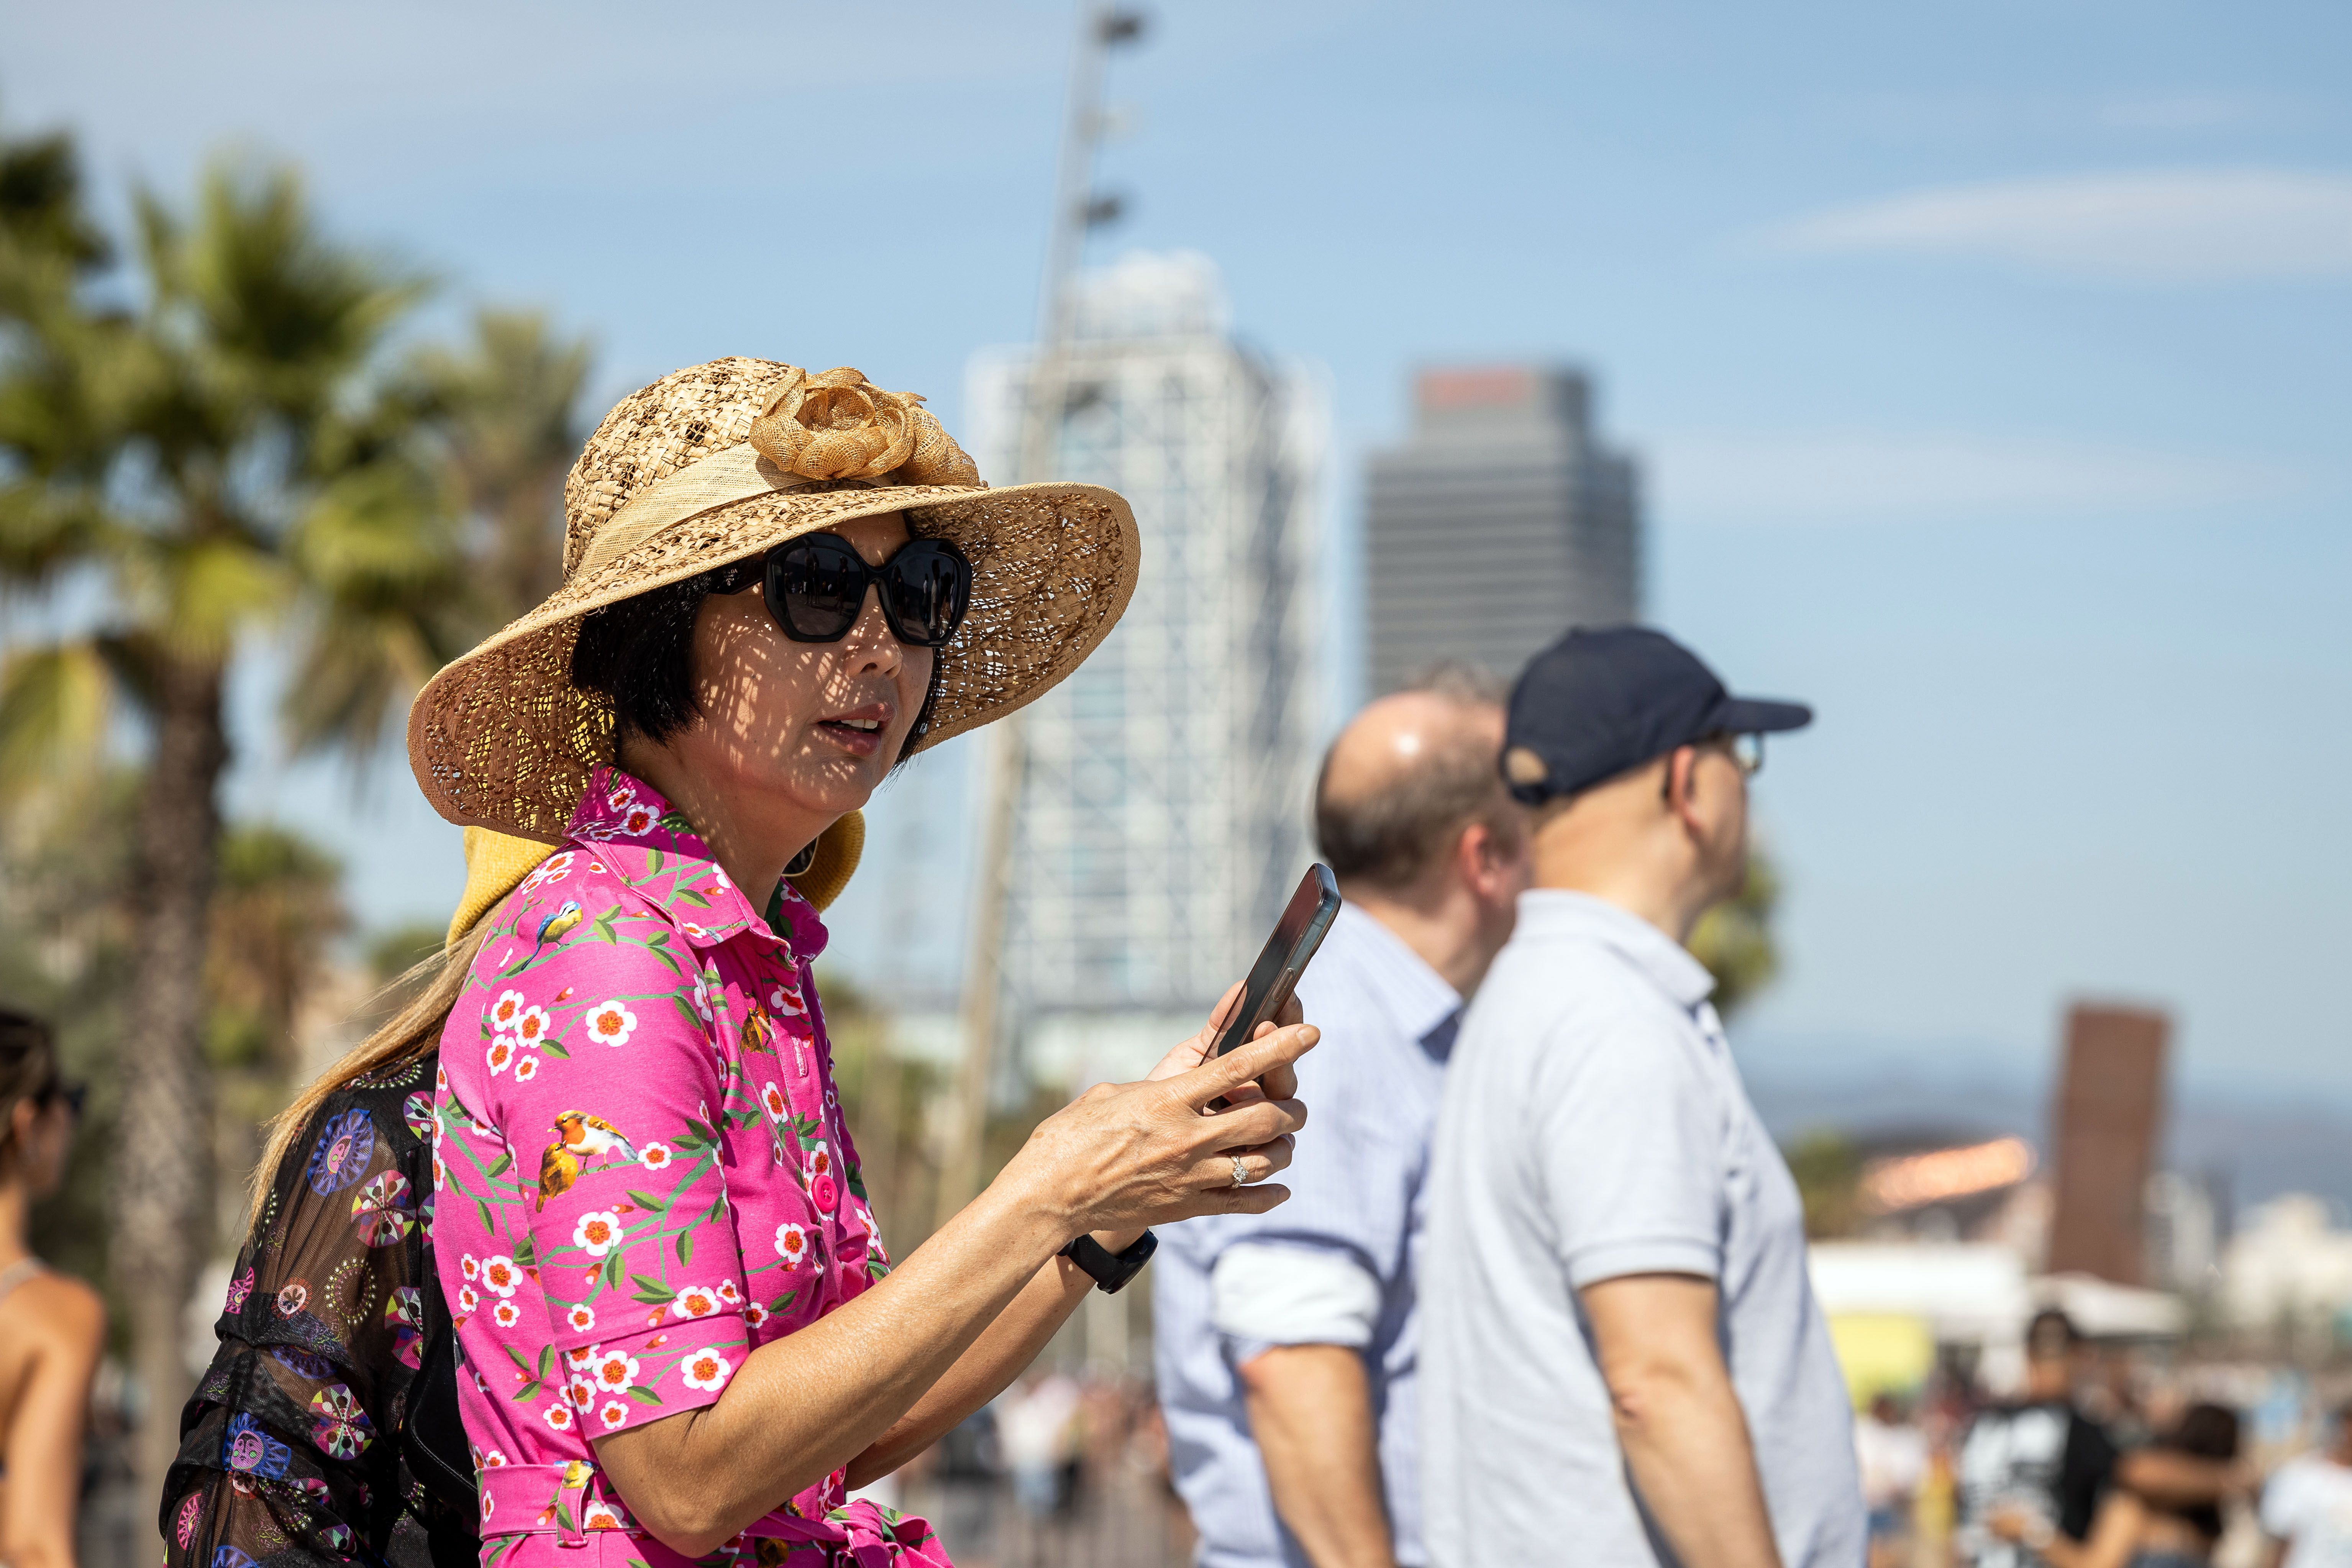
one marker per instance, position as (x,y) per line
(1849,478)
(2178,226)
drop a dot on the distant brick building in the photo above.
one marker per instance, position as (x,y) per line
(1499,522)
(2109,1115)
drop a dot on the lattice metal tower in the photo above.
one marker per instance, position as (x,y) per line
(1164,794)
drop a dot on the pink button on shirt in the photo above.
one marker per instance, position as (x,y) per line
(641,1174)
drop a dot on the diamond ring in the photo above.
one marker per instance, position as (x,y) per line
(1241,1172)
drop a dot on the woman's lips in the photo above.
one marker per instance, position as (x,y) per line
(860,735)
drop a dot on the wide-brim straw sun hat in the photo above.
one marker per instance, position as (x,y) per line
(724,462)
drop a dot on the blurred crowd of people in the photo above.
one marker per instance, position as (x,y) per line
(2110,1456)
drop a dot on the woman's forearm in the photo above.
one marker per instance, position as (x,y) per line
(803,1406)
(1004,1349)
(1117,1158)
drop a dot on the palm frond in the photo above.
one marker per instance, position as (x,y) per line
(56,703)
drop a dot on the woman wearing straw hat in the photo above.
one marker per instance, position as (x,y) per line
(679,1327)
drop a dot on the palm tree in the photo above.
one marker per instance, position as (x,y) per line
(509,406)
(215,450)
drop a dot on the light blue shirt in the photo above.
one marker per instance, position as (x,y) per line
(1352,1225)
(1595,1127)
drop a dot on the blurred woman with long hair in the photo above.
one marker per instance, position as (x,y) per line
(51,1327)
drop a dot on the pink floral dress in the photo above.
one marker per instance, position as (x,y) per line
(641,1175)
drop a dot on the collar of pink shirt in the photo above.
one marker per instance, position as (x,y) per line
(625,822)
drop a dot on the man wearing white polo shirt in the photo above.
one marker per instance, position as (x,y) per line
(1623,1360)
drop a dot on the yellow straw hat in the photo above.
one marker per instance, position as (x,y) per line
(722,461)
(495,862)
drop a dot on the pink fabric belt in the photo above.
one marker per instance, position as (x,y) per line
(571,1500)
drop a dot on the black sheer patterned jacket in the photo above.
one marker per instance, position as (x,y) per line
(290,1450)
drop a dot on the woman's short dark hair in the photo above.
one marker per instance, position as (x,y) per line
(28,1068)
(639,653)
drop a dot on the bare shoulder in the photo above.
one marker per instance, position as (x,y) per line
(57,1309)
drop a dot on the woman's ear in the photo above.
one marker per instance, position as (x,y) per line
(23,1116)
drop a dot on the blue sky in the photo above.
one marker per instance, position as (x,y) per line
(1991,366)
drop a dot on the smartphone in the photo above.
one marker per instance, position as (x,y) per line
(1276,974)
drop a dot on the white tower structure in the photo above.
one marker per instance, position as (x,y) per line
(1164,794)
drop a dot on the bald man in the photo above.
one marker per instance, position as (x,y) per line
(1286,1340)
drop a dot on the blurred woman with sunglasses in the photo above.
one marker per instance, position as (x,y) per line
(51,1327)
(677,1329)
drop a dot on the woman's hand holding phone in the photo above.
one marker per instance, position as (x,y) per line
(1281,1083)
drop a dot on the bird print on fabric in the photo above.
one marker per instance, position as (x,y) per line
(556,924)
(580,1139)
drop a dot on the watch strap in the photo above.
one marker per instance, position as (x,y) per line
(1110,1270)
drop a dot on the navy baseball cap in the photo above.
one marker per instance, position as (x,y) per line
(1596,703)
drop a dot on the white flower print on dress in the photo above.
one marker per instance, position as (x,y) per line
(531,1026)
(614,1371)
(580,1317)
(610,1023)
(727,1295)
(655,1156)
(503,1011)
(470,1267)
(694,1301)
(791,1245)
(784,996)
(754,1313)
(600,1516)
(558,1417)
(526,1069)
(582,1393)
(506,1314)
(501,1275)
(551,869)
(614,1416)
(500,1053)
(597,1231)
(706,1369)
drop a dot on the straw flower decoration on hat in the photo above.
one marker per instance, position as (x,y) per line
(724,462)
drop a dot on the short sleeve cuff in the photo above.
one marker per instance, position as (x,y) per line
(648,1374)
(1646,1255)
(1265,1295)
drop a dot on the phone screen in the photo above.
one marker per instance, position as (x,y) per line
(1276,974)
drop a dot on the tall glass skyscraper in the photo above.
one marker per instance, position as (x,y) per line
(1163,813)
(1500,522)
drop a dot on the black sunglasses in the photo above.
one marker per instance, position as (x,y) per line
(816,589)
(73,1094)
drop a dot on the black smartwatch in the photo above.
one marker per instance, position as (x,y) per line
(1111,1270)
